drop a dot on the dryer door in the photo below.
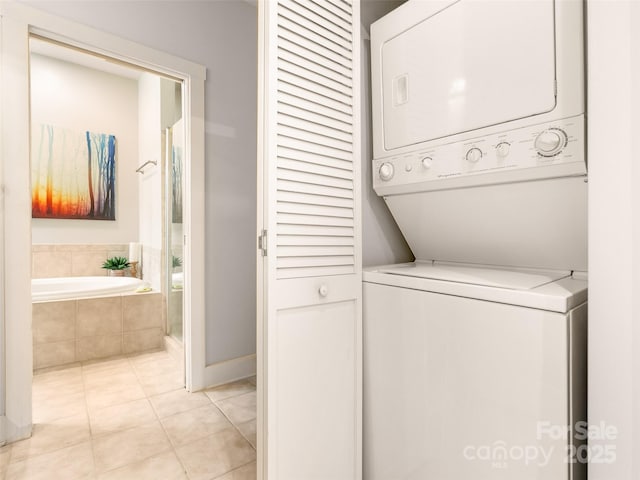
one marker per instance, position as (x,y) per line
(473,64)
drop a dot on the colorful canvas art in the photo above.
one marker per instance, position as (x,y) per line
(73,174)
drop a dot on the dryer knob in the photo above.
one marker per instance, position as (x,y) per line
(550,142)
(474,155)
(386,171)
(427,162)
(502,149)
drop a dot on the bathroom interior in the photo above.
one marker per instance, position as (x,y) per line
(107,387)
(143,112)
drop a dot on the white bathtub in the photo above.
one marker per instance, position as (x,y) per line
(48,289)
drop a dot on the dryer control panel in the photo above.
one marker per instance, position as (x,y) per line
(549,150)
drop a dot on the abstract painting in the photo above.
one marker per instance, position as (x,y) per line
(72,174)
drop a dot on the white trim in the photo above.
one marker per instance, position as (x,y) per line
(18,21)
(230,370)
(16,215)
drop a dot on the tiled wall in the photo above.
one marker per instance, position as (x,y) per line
(77,330)
(73,260)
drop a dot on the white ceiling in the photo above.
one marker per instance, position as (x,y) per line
(71,55)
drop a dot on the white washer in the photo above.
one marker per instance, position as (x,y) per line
(472,372)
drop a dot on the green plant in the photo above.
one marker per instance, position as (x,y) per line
(116,263)
(176,261)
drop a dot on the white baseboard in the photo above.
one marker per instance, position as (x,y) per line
(11,432)
(229,370)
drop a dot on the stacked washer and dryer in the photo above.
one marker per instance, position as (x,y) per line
(475,354)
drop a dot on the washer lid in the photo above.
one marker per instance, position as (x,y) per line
(474,275)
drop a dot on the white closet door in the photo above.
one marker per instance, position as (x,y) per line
(309,270)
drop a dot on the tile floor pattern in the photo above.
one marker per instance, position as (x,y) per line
(129,418)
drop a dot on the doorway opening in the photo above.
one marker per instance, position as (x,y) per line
(107,147)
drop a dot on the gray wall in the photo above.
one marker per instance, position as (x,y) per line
(222,36)
(382,241)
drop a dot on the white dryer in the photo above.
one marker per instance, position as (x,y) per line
(475,355)
(473,373)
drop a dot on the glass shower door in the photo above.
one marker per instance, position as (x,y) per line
(174,232)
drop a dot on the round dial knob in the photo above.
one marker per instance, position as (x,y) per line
(502,149)
(550,142)
(386,171)
(426,162)
(474,155)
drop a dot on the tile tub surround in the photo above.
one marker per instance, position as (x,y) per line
(73,260)
(70,331)
(129,418)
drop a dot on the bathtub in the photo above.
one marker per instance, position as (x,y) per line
(49,289)
(77,319)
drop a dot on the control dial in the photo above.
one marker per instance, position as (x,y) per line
(502,149)
(473,155)
(386,171)
(551,142)
(427,162)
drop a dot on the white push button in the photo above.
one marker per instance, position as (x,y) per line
(386,171)
(323,290)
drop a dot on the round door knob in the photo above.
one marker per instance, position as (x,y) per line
(323,290)
(502,149)
(386,171)
(550,142)
(474,155)
(427,162)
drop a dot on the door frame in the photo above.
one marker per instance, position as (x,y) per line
(17,23)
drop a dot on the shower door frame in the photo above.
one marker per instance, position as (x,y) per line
(18,22)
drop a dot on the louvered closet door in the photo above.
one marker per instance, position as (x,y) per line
(309,336)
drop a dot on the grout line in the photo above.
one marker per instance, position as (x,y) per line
(235,469)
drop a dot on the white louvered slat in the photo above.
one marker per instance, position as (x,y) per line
(338,12)
(301,262)
(314,57)
(313,179)
(303,24)
(288,27)
(298,73)
(297,240)
(309,199)
(327,27)
(345,6)
(311,137)
(319,159)
(319,8)
(315,168)
(301,102)
(315,142)
(293,186)
(308,126)
(310,147)
(323,210)
(316,84)
(313,69)
(329,52)
(288,273)
(295,219)
(314,118)
(315,230)
(318,98)
(316,251)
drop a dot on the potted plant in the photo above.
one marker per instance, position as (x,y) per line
(115,266)
(176,261)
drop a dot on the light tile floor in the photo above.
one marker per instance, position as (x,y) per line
(129,418)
